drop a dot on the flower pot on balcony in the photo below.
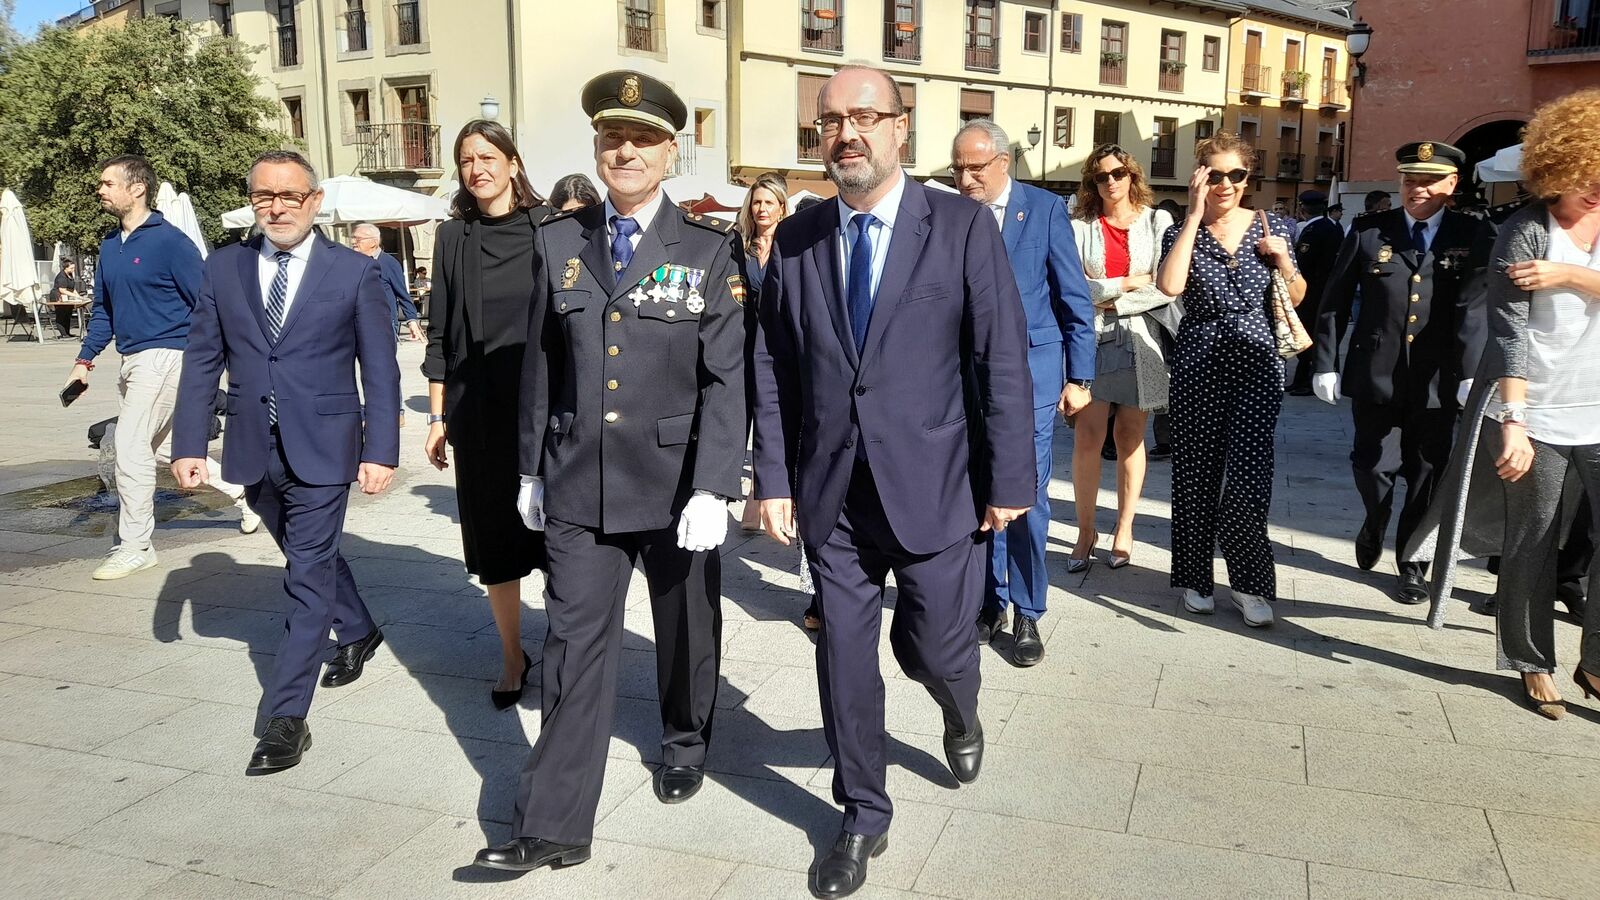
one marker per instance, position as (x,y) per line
(905,27)
(1112,59)
(1562,37)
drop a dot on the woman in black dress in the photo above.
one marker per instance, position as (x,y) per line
(483,290)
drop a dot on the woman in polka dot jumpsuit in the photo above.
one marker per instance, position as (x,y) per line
(1227,382)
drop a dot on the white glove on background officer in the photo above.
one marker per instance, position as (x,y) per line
(1463,391)
(530,502)
(1326,386)
(704,523)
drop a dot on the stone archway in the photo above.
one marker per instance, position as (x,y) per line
(1484,138)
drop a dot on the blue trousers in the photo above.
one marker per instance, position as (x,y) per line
(1017,574)
(307,521)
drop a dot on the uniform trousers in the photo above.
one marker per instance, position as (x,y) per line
(1017,575)
(1525,593)
(307,521)
(1396,439)
(1227,390)
(934,637)
(147,384)
(589,572)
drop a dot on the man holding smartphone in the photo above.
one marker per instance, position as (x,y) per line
(145,286)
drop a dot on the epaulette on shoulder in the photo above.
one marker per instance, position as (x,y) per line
(714,223)
(560,214)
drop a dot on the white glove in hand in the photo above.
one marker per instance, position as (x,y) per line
(1463,391)
(704,523)
(1326,386)
(530,502)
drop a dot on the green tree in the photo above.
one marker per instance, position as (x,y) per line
(158,88)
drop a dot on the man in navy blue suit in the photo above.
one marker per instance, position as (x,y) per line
(1061,359)
(289,315)
(894,426)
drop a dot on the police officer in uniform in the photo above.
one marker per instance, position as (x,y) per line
(1316,247)
(632,442)
(1413,346)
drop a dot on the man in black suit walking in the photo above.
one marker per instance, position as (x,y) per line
(894,423)
(1316,247)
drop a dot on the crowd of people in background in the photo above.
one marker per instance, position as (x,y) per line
(892,365)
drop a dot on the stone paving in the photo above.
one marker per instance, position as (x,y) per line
(1348,751)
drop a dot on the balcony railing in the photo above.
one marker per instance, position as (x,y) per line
(902,41)
(1294,87)
(1325,166)
(983,53)
(1113,69)
(397,147)
(808,144)
(1257,80)
(355,30)
(908,150)
(409,20)
(637,30)
(686,162)
(822,28)
(288,46)
(1163,162)
(1171,77)
(1335,95)
(1556,35)
(1289,166)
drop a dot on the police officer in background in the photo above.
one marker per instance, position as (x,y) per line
(1412,348)
(632,442)
(1316,247)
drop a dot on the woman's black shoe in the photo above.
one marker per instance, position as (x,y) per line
(508,699)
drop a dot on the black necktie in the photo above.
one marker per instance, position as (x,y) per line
(1419,238)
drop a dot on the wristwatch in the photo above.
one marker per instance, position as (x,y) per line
(434,420)
(1085,383)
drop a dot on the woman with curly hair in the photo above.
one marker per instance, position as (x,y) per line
(1535,412)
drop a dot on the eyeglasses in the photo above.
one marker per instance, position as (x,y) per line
(1117,174)
(977,169)
(289,199)
(864,120)
(1236,176)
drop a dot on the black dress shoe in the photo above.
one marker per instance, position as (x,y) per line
(1571,594)
(1413,585)
(508,699)
(991,621)
(348,660)
(675,784)
(844,870)
(1026,647)
(1369,543)
(524,854)
(964,752)
(1160,451)
(1299,390)
(285,740)
(1487,608)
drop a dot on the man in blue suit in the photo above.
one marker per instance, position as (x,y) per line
(1061,358)
(290,315)
(893,425)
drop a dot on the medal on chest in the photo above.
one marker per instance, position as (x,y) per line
(674,283)
(695,303)
(1385,253)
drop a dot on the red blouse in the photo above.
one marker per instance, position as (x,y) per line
(1117,263)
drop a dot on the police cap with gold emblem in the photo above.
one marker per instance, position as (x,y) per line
(1429,158)
(628,96)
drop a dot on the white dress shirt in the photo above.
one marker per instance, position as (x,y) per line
(1430,229)
(1000,203)
(267,268)
(881,232)
(645,216)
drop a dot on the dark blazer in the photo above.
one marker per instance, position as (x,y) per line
(1055,294)
(628,408)
(1421,319)
(1316,249)
(941,395)
(455,338)
(340,315)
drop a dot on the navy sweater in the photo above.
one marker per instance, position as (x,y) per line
(144,289)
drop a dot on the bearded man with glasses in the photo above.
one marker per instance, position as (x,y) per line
(894,426)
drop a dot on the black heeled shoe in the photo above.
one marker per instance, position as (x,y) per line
(508,699)
(1581,678)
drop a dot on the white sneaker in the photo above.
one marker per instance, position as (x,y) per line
(1257,612)
(1200,606)
(248,520)
(124,561)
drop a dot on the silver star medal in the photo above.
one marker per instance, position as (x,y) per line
(674,284)
(657,292)
(638,295)
(695,303)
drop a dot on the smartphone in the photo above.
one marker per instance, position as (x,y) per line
(72,391)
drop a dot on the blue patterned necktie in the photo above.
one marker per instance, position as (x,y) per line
(277,301)
(1419,238)
(859,291)
(623,229)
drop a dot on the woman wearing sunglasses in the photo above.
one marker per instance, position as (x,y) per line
(1118,231)
(1227,381)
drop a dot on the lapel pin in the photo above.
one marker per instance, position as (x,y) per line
(1020,214)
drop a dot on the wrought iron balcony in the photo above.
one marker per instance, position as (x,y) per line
(1163,162)
(1256,80)
(1556,34)
(1335,95)
(983,53)
(397,147)
(902,41)
(409,19)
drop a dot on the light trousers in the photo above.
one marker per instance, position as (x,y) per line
(148,386)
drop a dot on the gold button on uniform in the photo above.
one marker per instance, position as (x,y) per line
(613,350)
(1410,338)
(616,316)
(1412,319)
(1416,298)
(671,313)
(611,385)
(1417,278)
(611,417)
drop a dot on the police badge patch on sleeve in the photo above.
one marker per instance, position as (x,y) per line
(736,288)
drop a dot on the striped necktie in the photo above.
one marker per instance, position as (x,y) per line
(277,301)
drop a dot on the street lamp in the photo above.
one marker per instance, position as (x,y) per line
(489,107)
(1358,42)
(1034,136)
